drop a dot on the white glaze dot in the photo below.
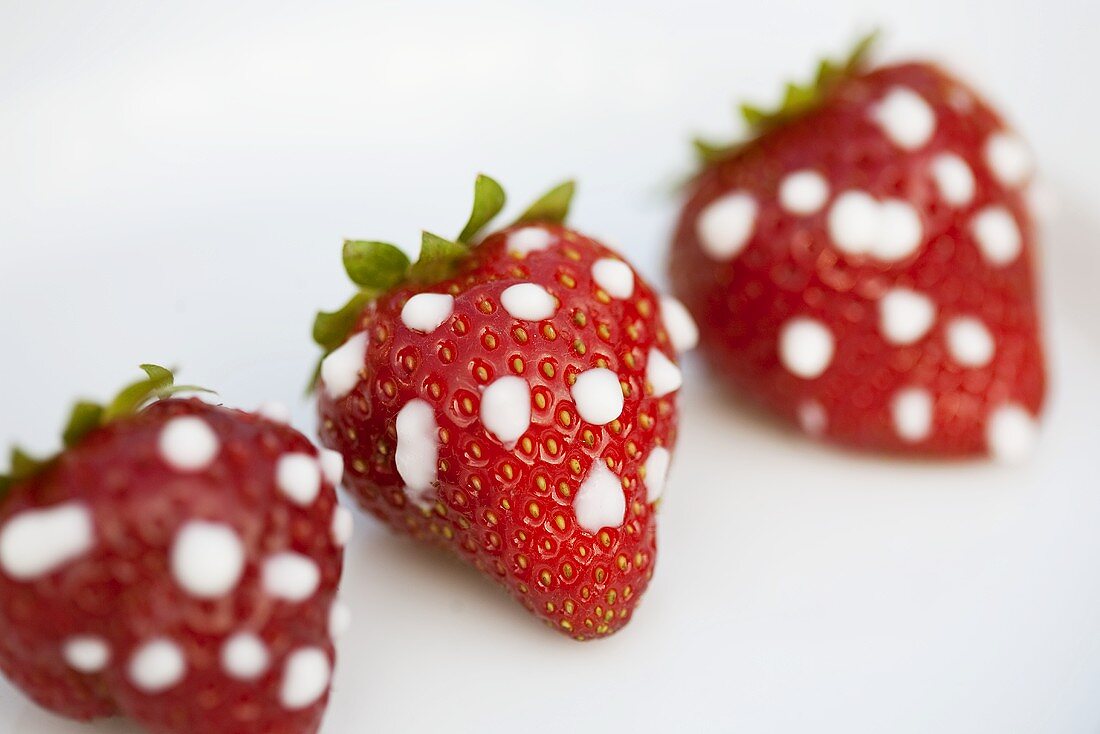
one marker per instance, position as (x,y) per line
(417,455)
(340,369)
(298,477)
(244,656)
(506,409)
(905,117)
(662,373)
(86,653)
(426,312)
(900,230)
(725,226)
(970,342)
(157,666)
(803,192)
(600,501)
(339,619)
(207,559)
(1009,157)
(274,411)
(188,443)
(953,178)
(656,472)
(806,347)
(812,418)
(291,576)
(528,302)
(997,234)
(38,542)
(343,524)
(305,678)
(527,240)
(912,413)
(332,466)
(681,327)
(614,276)
(1011,433)
(598,395)
(860,225)
(905,315)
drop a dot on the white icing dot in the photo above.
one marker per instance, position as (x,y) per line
(528,302)
(600,502)
(859,225)
(899,230)
(905,118)
(298,477)
(245,656)
(997,234)
(806,347)
(912,412)
(157,666)
(527,240)
(188,443)
(953,178)
(656,472)
(343,524)
(1009,157)
(207,559)
(305,678)
(812,418)
(425,312)
(662,373)
(340,369)
(332,466)
(291,576)
(1011,433)
(905,315)
(598,395)
(37,542)
(803,192)
(614,276)
(86,653)
(339,619)
(506,409)
(274,411)
(726,224)
(417,454)
(681,327)
(970,342)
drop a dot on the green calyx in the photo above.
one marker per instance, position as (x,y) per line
(377,267)
(86,416)
(797,100)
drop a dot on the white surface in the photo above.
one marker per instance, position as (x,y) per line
(175,182)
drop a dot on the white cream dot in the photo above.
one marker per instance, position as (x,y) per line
(274,411)
(38,542)
(905,117)
(157,666)
(86,653)
(527,240)
(953,178)
(426,312)
(662,373)
(1011,433)
(245,656)
(340,369)
(806,347)
(912,413)
(600,501)
(1009,157)
(305,678)
(681,327)
(298,477)
(188,443)
(291,576)
(339,619)
(905,315)
(343,524)
(417,455)
(598,395)
(997,234)
(812,418)
(528,302)
(860,225)
(207,559)
(725,226)
(900,230)
(506,409)
(614,276)
(332,466)
(656,472)
(803,192)
(970,342)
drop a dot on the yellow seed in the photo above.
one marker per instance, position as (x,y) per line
(517,365)
(533,510)
(572,254)
(545,578)
(448,533)
(560,522)
(603,332)
(436,390)
(567,280)
(485,306)
(548,369)
(467,406)
(506,503)
(645,307)
(564,418)
(602,296)
(575,466)
(611,596)
(567,625)
(570,606)
(550,607)
(621,560)
(490,341)
(632,332)
(605,538)
(567,572)
(601,574)
(521,561)
(552,446)
(549,332)
(520,334)
(475,449)
(563,488)
(540,481)
(579,318)
(579,347)
(507,471)
(540,400)
(491,517)
(527,444)
(589,437)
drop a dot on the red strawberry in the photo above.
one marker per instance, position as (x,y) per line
(864,264)
(175,564)
(513,400)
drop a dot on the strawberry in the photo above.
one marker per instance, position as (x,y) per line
(863,265)
(177,564)
(512,399)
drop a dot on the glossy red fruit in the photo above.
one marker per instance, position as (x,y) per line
(864,265)
(518,408)
(176,565)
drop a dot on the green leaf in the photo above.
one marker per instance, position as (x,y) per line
(331,329)
(85,417)
(376,265)
(22,466)
(439,259)
(488,201)
(133,396)
(553,206)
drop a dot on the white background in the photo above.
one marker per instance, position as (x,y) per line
(175,180)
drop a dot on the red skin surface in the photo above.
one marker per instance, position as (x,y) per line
(790,268)
(509,512)
(123,591)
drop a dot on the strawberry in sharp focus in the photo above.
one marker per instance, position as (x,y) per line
(176,564)
(512,399)
(863,265)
